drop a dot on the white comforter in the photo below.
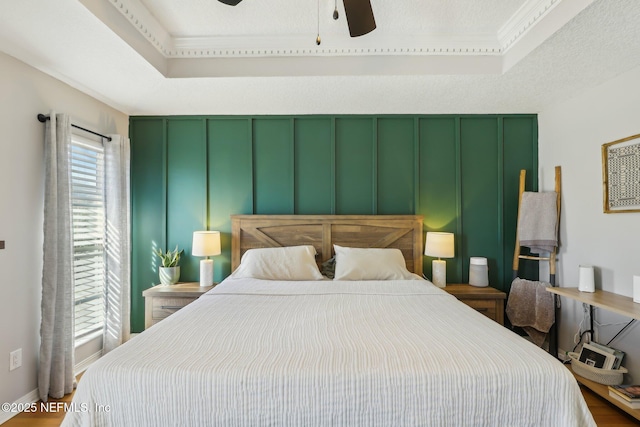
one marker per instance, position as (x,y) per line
(264,353)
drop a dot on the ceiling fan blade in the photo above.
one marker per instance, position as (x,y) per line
(230,2)
(359,17)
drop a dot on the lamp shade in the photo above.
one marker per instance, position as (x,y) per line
(439,245)
(206,243)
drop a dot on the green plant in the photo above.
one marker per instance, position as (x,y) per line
(169,258)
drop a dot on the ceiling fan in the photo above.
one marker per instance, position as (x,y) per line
(359,15)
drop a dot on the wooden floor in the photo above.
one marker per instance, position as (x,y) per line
(39,419)
(603,412)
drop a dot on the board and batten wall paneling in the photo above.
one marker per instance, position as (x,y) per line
(395,166)
(186,190)
(273,166)
(459,171)
(148,209)
(230,175)
(439,185)
(481,180)
(355,147)
(520,140)
(314,170)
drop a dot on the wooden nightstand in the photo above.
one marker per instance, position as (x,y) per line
(162,301)
(488,301)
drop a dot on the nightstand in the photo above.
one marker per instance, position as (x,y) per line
(488,301)
(162,301)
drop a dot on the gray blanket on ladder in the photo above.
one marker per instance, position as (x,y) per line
(538,221)
(531,307)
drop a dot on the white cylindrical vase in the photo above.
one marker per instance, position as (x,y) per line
(636,289)
(478,272)
(439,273)
(586,282)
(206,272)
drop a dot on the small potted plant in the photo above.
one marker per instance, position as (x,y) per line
(169,271)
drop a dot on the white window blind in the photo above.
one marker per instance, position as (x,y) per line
(87,202)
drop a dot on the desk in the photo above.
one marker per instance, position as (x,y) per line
(611,302)
(603,299)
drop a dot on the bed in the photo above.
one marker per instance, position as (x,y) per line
(391,351)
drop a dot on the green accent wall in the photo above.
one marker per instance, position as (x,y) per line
(460,171)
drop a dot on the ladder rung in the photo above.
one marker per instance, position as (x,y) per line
(535,258)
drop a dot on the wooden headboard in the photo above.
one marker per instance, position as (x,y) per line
(403,232)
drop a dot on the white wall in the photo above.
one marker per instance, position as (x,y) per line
(571,135)
(25,92)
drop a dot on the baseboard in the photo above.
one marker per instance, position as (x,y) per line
(563,354)
(33,396)
(82,366)
(25,400)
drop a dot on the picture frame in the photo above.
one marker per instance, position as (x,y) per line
(621,175)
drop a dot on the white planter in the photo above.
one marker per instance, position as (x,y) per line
(169,275)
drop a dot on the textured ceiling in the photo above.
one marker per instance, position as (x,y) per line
(84,44)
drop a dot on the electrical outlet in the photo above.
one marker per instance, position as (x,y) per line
(15,359)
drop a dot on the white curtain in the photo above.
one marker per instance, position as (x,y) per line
(56,364)
(117,238)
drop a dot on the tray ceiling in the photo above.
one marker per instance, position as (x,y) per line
(435,56)
(200,38)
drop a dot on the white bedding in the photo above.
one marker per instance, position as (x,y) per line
(394,353)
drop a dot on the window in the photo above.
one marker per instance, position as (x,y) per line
(88,212)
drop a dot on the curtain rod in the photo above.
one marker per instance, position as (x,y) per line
(42,118)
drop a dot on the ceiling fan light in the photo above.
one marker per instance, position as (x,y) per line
(230,2)
(359,17)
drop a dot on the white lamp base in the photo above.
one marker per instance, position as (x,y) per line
(439,273)
(206,272)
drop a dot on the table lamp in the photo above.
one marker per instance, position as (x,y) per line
(206,244)
(439,244)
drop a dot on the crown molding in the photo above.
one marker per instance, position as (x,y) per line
(304,45)
(528,30)
(529,14)
(146,24)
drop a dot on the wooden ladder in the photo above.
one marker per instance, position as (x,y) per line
(517,256)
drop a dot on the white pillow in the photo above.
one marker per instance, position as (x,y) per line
(288,263)
(371,264)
